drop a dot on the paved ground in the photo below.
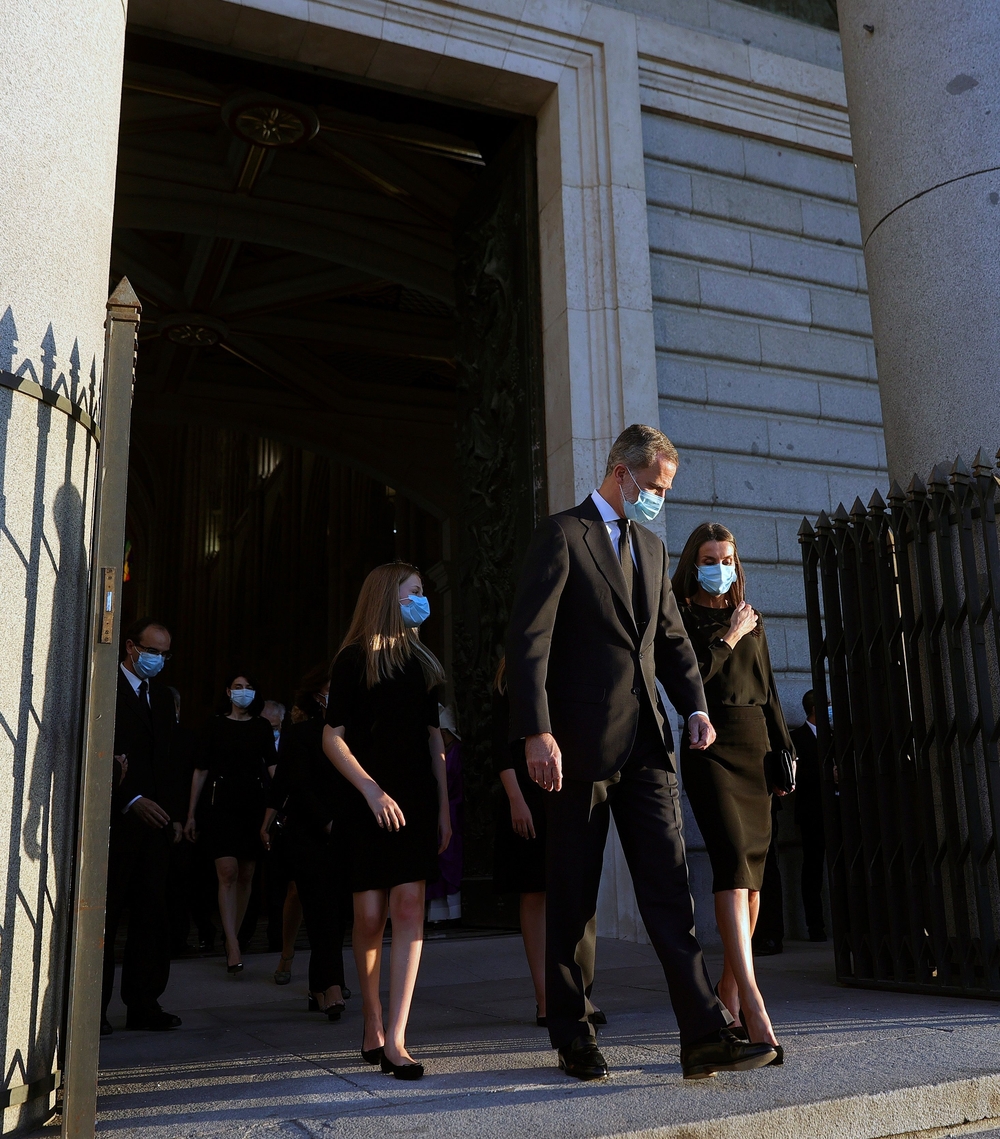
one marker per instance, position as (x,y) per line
(250,1062)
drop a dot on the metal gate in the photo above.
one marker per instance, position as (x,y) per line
(904,631)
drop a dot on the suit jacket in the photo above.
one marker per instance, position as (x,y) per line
(577,664)
(155,769)
(808,786)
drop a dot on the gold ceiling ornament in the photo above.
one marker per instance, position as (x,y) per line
(265,121)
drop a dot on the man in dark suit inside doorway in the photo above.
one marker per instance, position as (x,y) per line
(594,625)
(147,805)
(809,816)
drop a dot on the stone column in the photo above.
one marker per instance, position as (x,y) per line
(923,94)
(60,87)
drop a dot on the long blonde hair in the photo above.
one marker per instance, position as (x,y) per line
(377,627)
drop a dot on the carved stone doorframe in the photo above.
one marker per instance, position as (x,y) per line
(574,67)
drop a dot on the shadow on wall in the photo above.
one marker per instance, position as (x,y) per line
(45,569)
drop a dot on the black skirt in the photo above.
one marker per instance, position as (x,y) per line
(519,863)
(729,795)
(233,820)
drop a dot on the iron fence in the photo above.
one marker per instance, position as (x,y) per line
(903,605)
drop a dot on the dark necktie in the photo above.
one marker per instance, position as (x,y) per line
(144,701)
(628,571)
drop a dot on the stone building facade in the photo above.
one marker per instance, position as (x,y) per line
(700,264)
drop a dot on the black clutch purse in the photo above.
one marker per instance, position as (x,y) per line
(779,766)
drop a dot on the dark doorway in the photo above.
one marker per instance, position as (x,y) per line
(338,365)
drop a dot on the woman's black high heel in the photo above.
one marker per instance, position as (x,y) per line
(401,1071)
(541,1021)
(779,1059)
(371,1055)
(739,1033)
(235,970)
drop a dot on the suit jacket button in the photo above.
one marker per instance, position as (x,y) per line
(635,691)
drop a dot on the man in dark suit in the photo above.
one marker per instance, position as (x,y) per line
(147,807)
(809,817)
(594,625)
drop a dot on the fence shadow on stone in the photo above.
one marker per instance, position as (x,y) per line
(903,604)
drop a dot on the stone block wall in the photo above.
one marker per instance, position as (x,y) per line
(766,378)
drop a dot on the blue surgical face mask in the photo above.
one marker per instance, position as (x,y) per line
(717,579)
(416,610)
(148,665)
(242,697)
(646,506)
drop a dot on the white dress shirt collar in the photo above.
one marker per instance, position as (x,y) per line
(607,511)
(811,727)
(132,679)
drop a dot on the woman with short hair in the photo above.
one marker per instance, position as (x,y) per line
(729,785)
(382,735)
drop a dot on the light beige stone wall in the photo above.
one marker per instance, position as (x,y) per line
(60,81)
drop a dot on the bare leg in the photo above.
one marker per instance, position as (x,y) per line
(291,920)
(244,882)
(732,914)
(228,870)
(371,908)
(728,989)
(533,932)
(406,905)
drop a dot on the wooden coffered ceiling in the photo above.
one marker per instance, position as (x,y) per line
(290,237)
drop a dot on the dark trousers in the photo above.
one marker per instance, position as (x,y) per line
(813,863)
(138,863)
(771,915)
(321,878)
(644,798)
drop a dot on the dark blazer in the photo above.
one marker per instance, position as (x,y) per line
(808,794)
(155,769)
(577,664)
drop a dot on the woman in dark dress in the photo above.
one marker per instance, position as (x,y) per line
(728,784)
(382,735)
(311,796)
(519,845)
(236,750)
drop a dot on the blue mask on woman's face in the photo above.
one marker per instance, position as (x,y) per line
(646,506)
(717,579)
(242,697)
(148,665)
(416,610)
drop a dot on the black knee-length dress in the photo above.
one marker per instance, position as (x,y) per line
(518,863)
(385,728)
(237,754)
(727,785)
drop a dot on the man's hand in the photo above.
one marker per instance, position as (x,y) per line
(544,761)
(152,814)
(178,832)
(121,762)
(701,734)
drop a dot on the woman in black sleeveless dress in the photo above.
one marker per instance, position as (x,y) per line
(728,784)
(236,750)
(382,735)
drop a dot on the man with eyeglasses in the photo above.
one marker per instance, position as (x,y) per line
(147,805)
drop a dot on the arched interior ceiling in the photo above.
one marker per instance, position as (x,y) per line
(290,237)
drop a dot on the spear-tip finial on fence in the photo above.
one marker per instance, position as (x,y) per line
(840,517)
(823,522)
(806,532)
(980,468)
(960,473)
(897,496)
(916,489)
(939,477)
(876,504)
(858,512)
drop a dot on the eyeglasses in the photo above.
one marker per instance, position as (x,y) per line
(155,652)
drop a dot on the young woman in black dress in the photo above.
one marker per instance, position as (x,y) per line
(727,784)
(236,750)
(312,796)
(382,735)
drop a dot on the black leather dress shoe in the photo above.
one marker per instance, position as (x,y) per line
(723,1052)
(155,1020)
(106,1028)
(582,1060)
